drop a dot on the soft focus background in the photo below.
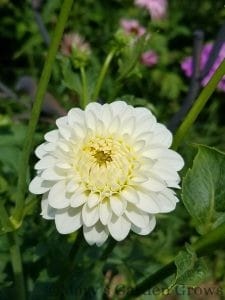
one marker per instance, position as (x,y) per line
(155,74)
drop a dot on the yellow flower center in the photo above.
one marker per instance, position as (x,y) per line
(105,164)
(102,157)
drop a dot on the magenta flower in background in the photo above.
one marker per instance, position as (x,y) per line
(132,26)
(186,64)
(149,58)
(156,8)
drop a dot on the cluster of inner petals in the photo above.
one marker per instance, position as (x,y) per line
(105,165)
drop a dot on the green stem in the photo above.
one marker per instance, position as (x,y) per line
(198,105)
(69,266)
(102,74)
(205,245)
(84,87)
(109,248)
(42,86)
(17,266)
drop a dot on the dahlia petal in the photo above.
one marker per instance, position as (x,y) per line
(99,127)
(62,121)
(63,145)
(144,126)
(106,115)
(47,211)
(128,125)
(57,196)
(46,162)
(119,227)
(142,112)
(115,125)
(118,107)
(78,199)
(153,185)
(49,147)
(139,179)
(75,115)
(139,145)
(118,206)
(95,235)
(39,186)
(63,165)
(162,136)
(65,131)
(53,173)
(136,216)
(68,221)
(95,108)
(105,212)
(165,173)
(52,136)
(166,200)
(146,230)
(130,195)
(90,119)
(172,184)
(90,216)
(148,203)
(79,130)
(93,200)
(40,150)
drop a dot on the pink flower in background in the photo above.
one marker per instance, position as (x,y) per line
(71,40)
(156,8)
(132,26)
(149,58)
(186,65)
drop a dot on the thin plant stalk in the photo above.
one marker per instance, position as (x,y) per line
(69,265)
(17,216)
(84,87)
(102,74)
(16,261)
(108,250)
(198,106)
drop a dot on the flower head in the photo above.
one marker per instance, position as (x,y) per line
(186,64)
(149,58)
(74,46)
(107,168)
(73,40)
(132,27)
(156,8)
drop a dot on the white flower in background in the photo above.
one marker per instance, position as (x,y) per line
(108,169)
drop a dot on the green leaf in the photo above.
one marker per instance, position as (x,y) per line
(190,270)
(70,78)
(9,156)
(203,191)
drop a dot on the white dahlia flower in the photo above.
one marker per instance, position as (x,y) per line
(107,168)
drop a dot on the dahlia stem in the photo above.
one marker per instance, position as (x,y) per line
(109,248)
(102,74)
(17,266)
(198,105)
(84,87)
(205,245)
(42,86)
(69,265)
